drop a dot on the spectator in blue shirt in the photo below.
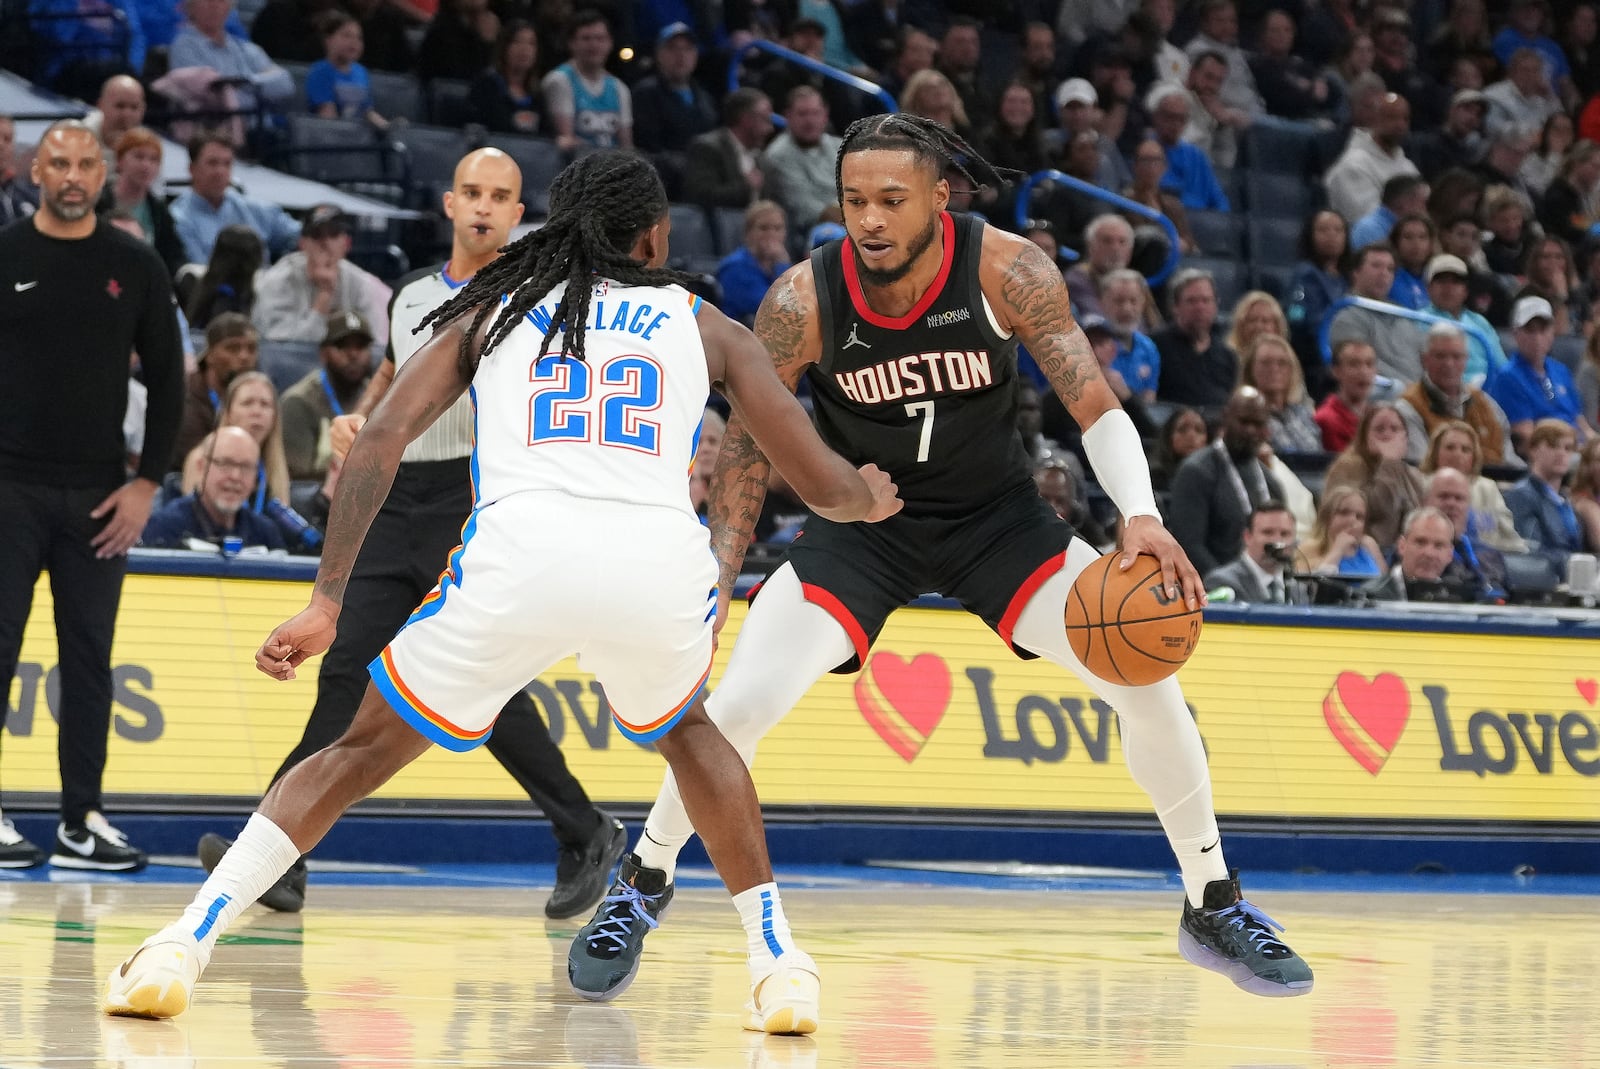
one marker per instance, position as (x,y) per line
(749,271)
(1413,239)
(338,86)
(1523,31)
(1403,195)
(210,203)
(217,510)
(1539,507)
(1122,299)
(206,43)
(1189,172)
(84,41)
(1531,386)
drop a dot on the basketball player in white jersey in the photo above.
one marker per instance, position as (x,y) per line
(589,369)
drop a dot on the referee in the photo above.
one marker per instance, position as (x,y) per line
(77,298)
(407,547)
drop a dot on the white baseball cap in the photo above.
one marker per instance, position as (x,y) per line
(1076,91)
(1530,308)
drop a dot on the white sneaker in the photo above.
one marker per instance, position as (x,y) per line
(158,980)
(787,1001)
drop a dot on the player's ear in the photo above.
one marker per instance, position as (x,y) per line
(449,204)
(652,244)
(941,194)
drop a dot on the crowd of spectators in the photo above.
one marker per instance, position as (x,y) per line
(1458,162)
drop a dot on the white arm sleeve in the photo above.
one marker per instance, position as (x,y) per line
(1117,457)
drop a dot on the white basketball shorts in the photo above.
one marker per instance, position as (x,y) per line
(541,576)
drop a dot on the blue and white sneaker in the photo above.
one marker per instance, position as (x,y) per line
(604,957)
(1230,936)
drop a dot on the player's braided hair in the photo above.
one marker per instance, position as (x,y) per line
(599,205)
(931,142)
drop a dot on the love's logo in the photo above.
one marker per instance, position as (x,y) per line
(903,701)
(1367,718)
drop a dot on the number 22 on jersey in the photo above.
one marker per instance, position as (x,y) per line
(570,398)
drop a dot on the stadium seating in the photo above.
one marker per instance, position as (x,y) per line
(693,244)
(540,161)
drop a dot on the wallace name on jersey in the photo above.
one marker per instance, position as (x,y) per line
(917,375)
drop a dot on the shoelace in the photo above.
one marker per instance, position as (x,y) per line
(1254,925)
(625,908)
(99,826)
(9,836)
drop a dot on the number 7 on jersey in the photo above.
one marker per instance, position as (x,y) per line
(925,408)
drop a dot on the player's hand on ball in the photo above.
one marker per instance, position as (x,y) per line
(342,433)
(307,634)
(885,499)
(1145,534)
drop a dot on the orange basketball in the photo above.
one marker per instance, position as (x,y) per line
(1122,625)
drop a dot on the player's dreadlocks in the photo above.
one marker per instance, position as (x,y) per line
(928,140)
(599,205)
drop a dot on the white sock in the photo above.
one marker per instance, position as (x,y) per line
(260,855)
(766,929)
(654,854)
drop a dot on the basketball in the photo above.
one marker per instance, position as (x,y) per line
(1122,625)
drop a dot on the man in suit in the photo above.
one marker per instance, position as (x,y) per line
(1260,573)
(1474,564)
(723,169)
(1542,512)
(1215,489)
(1424,550)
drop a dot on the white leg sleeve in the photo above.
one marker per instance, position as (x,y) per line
(1159,738)
(785,645)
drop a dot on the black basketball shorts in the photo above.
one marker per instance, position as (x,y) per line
(991,561)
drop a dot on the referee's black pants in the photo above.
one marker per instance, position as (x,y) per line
(48,528)
(405,551)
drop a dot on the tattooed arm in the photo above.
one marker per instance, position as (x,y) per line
(1030,299)
(787,324)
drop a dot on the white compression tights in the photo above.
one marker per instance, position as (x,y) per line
(787,643)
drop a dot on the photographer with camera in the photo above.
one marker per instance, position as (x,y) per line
(1261,572)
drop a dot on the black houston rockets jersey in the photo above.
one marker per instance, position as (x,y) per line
(930,396)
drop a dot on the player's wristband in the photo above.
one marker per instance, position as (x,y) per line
(1117,456)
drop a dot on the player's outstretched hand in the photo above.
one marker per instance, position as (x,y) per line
(885,499)
(306,634)
(342,433)
(1145,534)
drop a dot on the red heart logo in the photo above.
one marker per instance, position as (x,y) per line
(1589,688)
(903,700)
(1366,718)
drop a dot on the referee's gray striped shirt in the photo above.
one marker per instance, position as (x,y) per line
(418,294)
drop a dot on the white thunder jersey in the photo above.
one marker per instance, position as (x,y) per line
(620,425)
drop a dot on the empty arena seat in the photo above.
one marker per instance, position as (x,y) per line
(430,154)
(1282,195)
(693,246)
(1231,276)
(398,96)
(539,160)
(1218,233)
(340,152)
(1274,239)
(447,102)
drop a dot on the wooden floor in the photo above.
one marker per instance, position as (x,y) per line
(914,975)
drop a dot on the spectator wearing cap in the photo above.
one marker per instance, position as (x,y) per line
(232,348)
(671,109)
(1396,340)
(230,461)
(1523,31)
(1189,172)
(295,296)
(723,169)
(211,203)
(1531,386)
(587,105)
(747,272)
(310,405)
(132,191)
(1523,98)
(1290,87)
(1373,156)
(798,163)
(1564,210)
(1448,279)
(1539,504)
(1219,34)
(1443,393)
(1403,195)
(1458,142)
(1077,110)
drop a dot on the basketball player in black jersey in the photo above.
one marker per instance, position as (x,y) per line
(907,330)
